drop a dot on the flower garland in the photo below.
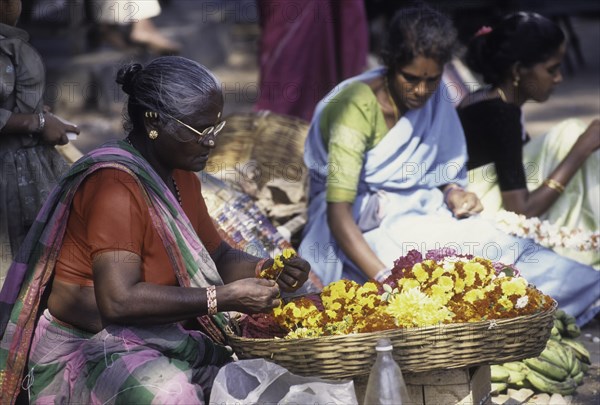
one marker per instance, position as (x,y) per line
(441,287)
(547,234)
(273,272)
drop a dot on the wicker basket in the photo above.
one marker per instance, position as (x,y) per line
(274,142)
(416,350)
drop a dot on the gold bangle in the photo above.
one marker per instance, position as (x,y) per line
(211,299)
(554,185)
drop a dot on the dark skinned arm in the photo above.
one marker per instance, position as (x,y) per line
(123,298)
(234,264)
(351,240)
(21,124)
(537,202)
(54,132)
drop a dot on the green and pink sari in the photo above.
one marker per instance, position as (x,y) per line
(118,363)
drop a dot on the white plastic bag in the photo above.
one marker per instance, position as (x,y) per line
(259,381)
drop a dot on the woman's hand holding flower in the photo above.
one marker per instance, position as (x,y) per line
(288,270)
(294,274)
(463,203)
(249,295)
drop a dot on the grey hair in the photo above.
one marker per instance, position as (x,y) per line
(171,86)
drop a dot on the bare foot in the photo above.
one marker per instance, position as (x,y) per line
(144,32)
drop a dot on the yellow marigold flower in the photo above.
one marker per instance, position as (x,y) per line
(420,273)
(277,311)
(342,289)
(488,272)
(304,333)
(306,312)
(459,285)
(446,283)
(437,272)
(408,283)
(313,321)
(336,305)
(441,296)
(428,264)
(360,324)
(368,300)
(472,269)
(287,253)
(506,303)
(368,288)
(426,296)
(473,295)
(342,327)
(413,308)
(514,286)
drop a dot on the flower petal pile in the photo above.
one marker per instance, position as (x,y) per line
(442,288)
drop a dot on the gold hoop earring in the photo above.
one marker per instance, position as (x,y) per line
(516,81)
(153,134)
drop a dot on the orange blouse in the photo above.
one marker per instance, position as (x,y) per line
(109,213)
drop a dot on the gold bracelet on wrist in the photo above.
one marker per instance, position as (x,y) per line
(554,185)
(211,299)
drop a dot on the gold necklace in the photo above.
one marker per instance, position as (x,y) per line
(390,99)
(501,94)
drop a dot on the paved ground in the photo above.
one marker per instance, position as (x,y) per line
(589,392)
(83,90)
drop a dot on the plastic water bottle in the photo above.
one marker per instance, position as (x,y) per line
(386,385)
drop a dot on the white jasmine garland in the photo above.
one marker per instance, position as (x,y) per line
(546,233)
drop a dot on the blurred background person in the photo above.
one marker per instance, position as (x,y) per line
(29,163)
(306,48)
(121,23)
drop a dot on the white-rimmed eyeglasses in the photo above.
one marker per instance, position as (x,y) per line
(211,130)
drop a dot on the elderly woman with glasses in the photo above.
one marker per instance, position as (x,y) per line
(124,254)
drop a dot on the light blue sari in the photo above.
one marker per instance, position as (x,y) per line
(423,151)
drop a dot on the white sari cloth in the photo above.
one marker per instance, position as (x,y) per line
(426,149)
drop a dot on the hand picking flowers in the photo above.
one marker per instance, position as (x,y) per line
(440,288)
(273,272)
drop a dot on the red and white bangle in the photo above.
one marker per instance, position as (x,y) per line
(259,267)
(211,299)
